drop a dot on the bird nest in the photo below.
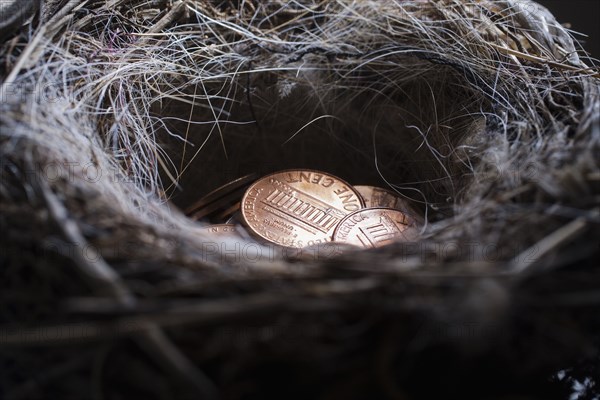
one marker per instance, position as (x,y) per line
(484,115)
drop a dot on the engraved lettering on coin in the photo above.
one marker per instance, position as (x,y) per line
(298,208)
(380,197)
(375,227)
(221,229)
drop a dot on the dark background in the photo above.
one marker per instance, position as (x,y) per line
(583,15)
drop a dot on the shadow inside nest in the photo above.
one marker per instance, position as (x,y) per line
(464,129)
(370,134)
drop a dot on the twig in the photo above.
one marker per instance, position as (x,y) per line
(14,14)
(555,64)
(176,12)
(63,12)
(25,390)
(25,57)
(104,280)
(520,264)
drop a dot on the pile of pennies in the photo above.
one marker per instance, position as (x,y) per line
(302,208)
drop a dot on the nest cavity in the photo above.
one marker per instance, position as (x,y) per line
(485,115)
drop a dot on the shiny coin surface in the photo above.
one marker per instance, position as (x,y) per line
(235,218)
(374,196)
(221,193)
(298,208)
(320,252)
(230,244)
(213,211)
(221,229)
(375,227)
(228,214)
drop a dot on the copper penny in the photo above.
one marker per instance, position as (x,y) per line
(220,194)
(229,244)
(221,229)
(228,214)
(235,218)
(375,227)
(374,196)
(321,251)
(211,211)
(298,208)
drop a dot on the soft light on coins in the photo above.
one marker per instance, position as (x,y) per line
(221,229)
(298,208)
(379,197)
(222,202)
(306,210)
(375,227)
(231,244)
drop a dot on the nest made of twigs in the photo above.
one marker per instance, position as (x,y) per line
(483,114)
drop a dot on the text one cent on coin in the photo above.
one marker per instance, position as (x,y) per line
(298,208)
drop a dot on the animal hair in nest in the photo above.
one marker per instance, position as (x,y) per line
(116,114)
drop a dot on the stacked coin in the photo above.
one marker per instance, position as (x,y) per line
(221,204)
(303,208)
